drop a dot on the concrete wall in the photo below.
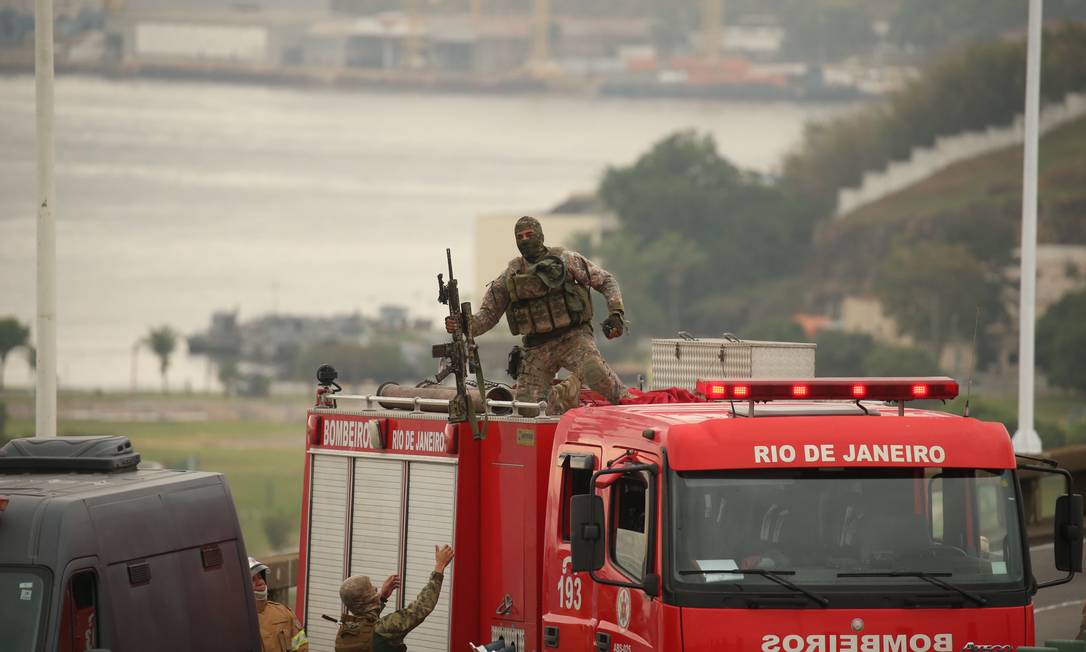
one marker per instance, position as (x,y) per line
(947,150)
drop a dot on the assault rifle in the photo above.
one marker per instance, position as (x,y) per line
(461,356)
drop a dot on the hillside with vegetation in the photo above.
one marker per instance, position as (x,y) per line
(702,241)
(958,227)
(707,247)
(968,89)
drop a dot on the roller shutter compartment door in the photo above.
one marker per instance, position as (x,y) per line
(431,500)
(375,530)
(327,525)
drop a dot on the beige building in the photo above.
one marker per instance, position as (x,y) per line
(865,315)
(495,247)
(1060,269)
(236,35)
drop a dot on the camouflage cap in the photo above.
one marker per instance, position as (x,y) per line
(359,595)
(528,222)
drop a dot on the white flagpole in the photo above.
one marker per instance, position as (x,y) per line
(1026,440)
(46,374)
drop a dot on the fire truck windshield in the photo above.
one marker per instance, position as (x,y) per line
(846,532)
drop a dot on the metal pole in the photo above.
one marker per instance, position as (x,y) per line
(1026,440)
(46,408)
(541,31)
(712,15)
(135,365)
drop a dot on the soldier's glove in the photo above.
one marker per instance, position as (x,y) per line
(452,324)
(613,326)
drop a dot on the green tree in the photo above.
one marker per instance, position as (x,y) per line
(1061,342)
(967,89)
(163,342)
(750,307)
(656,278)
(888,360)
(776,330)
(378,361)
(933,290)
(13,334)
(693,226)
(842,354)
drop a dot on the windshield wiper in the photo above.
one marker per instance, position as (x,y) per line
(774,575)
(931,578)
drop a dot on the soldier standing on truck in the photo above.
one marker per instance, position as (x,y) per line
(544,295)
(280,631)
(364,630)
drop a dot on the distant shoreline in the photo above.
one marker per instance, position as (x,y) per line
(437,83)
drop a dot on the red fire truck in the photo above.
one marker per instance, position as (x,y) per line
(794,515)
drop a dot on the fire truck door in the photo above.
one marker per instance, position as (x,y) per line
(376,518)
(431,514)
(627,616)
(327,513)
(569,599)
(503,544)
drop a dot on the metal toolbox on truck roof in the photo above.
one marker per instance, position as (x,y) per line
(679,362)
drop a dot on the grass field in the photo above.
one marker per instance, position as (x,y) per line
(262,458)
(258,443)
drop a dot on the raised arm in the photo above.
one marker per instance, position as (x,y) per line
(592,275)
(402,621)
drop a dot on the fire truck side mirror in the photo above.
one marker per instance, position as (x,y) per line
(586,532)
(651,585)
(1068,533)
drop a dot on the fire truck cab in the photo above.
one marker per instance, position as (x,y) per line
(794,526)
(796,515)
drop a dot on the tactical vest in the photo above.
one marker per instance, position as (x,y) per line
(382,644)
(355,635)
(544,297)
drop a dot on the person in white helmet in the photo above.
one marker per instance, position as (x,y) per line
(280,631)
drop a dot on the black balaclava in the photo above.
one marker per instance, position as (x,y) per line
(532,249)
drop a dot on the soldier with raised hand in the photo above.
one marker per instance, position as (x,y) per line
(544,295)
(365,630)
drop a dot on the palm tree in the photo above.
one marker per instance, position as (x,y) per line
(163,341)
(13,334)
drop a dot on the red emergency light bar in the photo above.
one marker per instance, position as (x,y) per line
(870,389)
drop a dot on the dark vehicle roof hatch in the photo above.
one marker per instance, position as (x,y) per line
(90,454)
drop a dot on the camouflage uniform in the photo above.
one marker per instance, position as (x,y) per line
(280,631)
(572,348)
(368,631)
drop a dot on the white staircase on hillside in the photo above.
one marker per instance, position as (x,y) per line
(925,161)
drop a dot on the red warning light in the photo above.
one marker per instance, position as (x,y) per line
(821,389)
